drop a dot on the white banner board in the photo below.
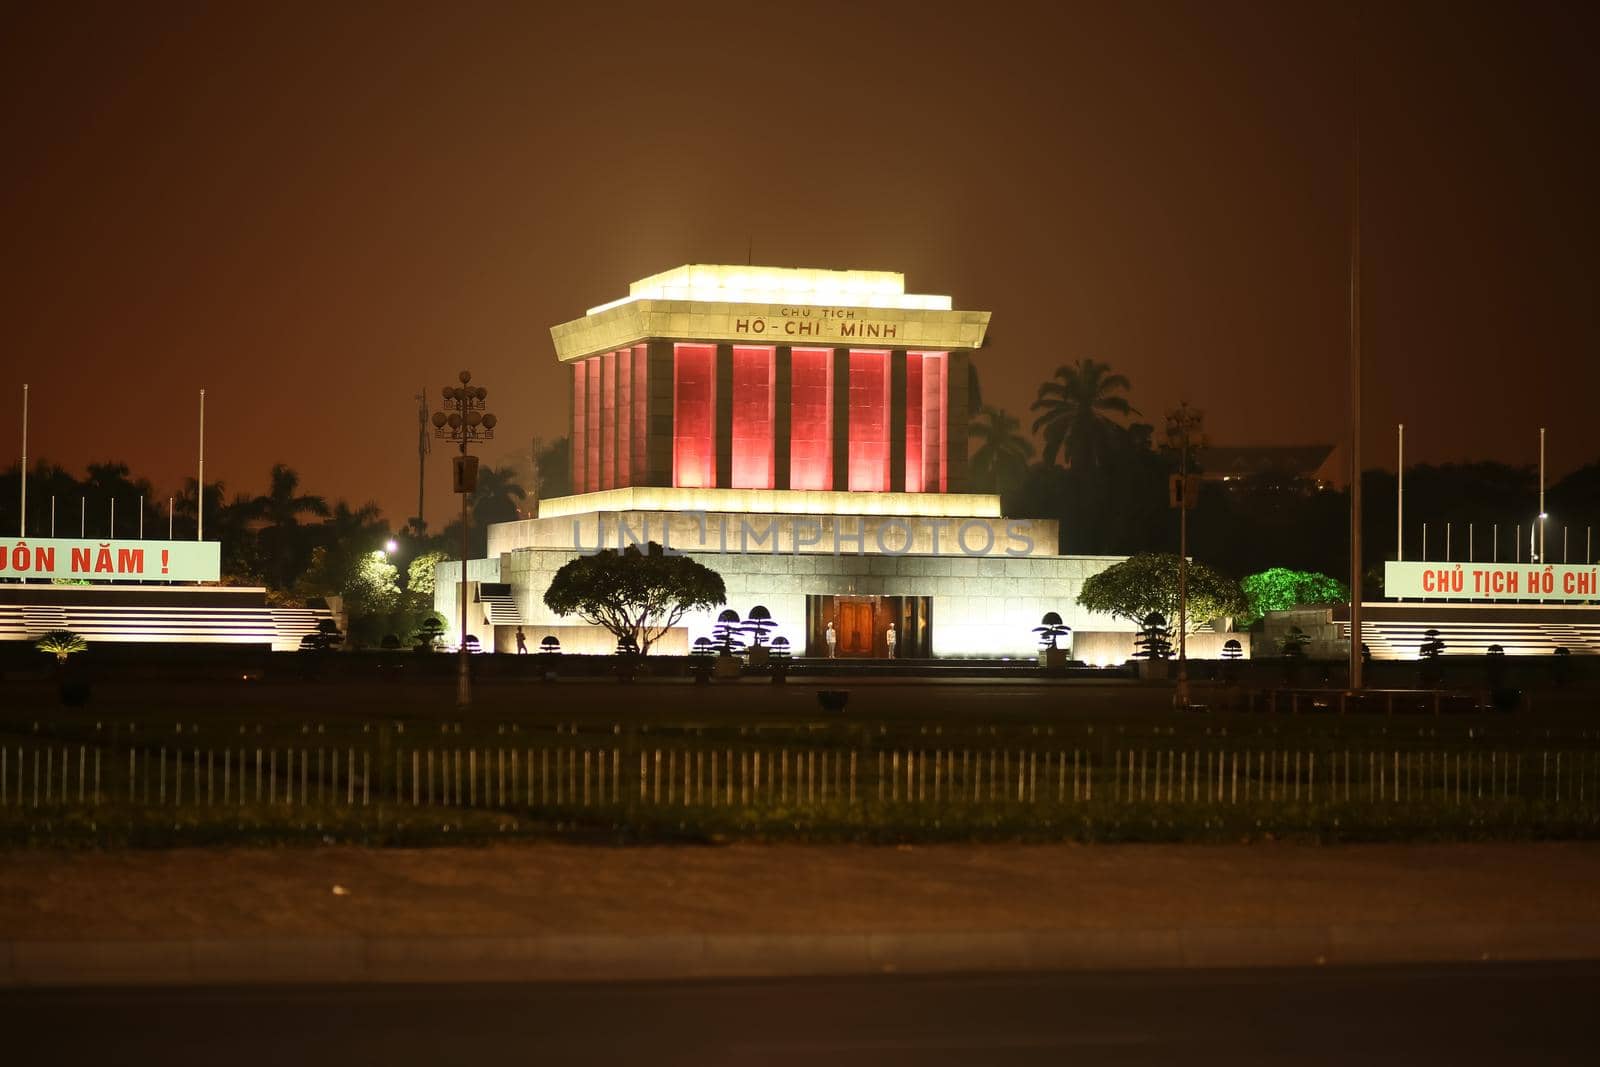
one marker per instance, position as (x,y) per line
(1491,581)
(111,561)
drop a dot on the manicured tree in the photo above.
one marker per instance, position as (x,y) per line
(61,644)
(325,638)
(1429,652)
(1155,638)
(757,623)
(1279,589)
(634,594)
(727,632)
(1148,583)
(429,631)
(1050,629)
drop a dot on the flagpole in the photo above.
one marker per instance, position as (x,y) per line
(22,527)
(200,484)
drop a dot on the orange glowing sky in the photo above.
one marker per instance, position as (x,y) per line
(315,210)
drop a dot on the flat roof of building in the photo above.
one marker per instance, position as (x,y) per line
(721,303)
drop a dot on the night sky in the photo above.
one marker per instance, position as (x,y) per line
(313,211)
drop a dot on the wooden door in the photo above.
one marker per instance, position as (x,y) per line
(856,627)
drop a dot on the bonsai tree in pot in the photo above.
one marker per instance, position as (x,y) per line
(1051,630)
(730,644)
(756,624)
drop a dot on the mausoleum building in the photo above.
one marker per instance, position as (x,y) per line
(803,433)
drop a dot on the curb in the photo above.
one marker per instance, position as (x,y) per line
(565,958)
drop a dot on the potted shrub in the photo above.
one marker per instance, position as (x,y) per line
(1153,647)
(729,644)
(1051,630)
(756,624)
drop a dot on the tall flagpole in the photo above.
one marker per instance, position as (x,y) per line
(1355,417)
(1400,498)
(200,485)
(22,528)
(1542,557)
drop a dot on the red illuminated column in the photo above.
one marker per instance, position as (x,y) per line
(694,416)
(608,420)
(639,383)
(811,430)
(869,421)
(930,400)
(751,460)
(913,423)
(591,436)
(897,420)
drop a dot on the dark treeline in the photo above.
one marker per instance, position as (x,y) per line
(1103,474)
(1088,460)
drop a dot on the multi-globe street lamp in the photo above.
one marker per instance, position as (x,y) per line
(466,421)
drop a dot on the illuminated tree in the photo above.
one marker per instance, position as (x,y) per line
(1280,589)
(61,644)
(633,594)
(419,575)
(1148,583)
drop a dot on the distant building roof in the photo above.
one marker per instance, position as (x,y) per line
(1245,461)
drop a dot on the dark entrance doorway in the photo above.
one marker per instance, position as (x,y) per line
(861,626)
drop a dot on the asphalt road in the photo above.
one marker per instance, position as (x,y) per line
(1489,1014)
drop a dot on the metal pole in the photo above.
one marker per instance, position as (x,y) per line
(22,525)
(113,534)
(1355,415)
(1400,499)
(464,671)
(1542,556)
(1469,543)
(1183,569)
(83,516)
(200,484)
(141,516)
(52,514)
(169,518)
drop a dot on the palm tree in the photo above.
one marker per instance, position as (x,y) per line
(1000,457)
(1074,409)
(497,496)
(61,644)
(284,540)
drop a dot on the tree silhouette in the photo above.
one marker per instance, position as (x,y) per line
(999,459)
(1074,412)
(285,545)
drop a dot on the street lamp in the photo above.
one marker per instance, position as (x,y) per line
(391,546)
(466,423)
(1183,434)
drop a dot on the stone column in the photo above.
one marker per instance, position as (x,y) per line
(574,443)
(955,426)
(841,419)
(722,434)
(897,420)
(782,379)
(658,415)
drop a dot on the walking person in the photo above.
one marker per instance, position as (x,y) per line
(832,639)
(522,642)
(890,638)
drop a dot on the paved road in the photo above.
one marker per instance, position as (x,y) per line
(1489,1014)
